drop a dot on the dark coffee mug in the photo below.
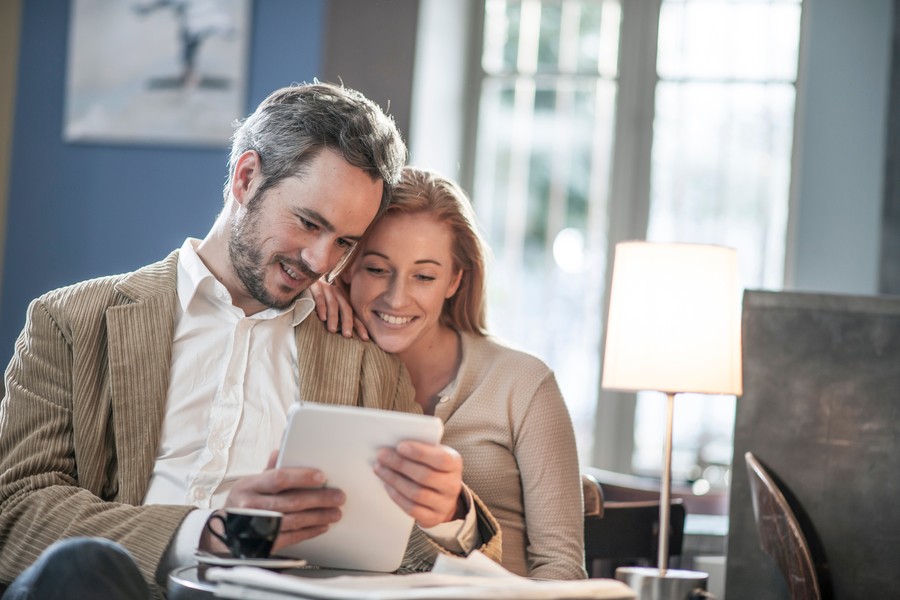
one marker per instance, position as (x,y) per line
(248,532)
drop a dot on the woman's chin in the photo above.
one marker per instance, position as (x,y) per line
(390,341)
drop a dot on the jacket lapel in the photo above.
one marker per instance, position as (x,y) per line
(140,352)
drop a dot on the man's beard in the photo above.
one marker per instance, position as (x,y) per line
(247,258)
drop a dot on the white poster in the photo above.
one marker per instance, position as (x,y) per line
(156,71)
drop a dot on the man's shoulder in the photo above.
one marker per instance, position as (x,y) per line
(339,370)
(315,328)
(109,290)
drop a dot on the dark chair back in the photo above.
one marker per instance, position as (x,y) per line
(780,534)
(628,535)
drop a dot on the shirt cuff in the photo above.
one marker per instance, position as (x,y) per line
(181,551)
(460,536)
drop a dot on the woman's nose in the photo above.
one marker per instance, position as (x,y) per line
(395,295)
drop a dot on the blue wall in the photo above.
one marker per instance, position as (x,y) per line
(78,211)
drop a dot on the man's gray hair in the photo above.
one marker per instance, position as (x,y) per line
(293,124)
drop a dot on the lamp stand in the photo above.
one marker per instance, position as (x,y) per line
(665,496)
(662,583)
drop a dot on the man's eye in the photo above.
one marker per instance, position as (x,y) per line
(346,244)
(308,224)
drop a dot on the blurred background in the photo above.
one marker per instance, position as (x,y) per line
(765,125)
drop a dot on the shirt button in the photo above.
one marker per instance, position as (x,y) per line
(443,399)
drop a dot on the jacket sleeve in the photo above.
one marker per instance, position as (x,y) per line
(422,551)
(42,499)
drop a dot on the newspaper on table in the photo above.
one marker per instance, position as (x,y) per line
(475,577)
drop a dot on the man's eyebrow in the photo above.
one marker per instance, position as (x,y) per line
(321,221)
(312,215)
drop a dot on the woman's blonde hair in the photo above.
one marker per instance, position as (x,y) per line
(427,193)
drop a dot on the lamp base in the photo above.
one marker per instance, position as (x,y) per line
(674,584)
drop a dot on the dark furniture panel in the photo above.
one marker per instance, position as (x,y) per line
(821,408)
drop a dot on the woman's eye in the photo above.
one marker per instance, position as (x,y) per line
(374,270)
(425,278)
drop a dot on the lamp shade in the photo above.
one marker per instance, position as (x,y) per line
(674,319)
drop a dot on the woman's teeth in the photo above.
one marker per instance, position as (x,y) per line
(394,320)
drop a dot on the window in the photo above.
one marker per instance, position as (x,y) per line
(720,173)
(604,120)
(544,143)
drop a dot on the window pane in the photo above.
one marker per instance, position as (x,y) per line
(721,39)
(540,191)
(721,171)
(501,36)
(563,36)
(549,46)
(720,174)
(701,436)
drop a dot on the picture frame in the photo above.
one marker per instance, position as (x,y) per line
(156,71)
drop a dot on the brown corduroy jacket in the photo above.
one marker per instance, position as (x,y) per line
(84,405)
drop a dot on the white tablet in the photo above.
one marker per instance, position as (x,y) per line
(342,442)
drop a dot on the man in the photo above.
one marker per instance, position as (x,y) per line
(138,404)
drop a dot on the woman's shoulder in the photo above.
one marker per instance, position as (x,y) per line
(497,353)
(495,371)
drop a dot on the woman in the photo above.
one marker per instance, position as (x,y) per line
(416,286)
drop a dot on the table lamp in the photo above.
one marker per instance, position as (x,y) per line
(674,326)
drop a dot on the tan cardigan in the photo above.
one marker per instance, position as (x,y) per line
(85,399)
(506,417)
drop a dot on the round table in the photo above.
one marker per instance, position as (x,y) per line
(189,583)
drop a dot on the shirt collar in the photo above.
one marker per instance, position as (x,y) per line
(195,279)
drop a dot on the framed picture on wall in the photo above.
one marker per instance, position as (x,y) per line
(156,71)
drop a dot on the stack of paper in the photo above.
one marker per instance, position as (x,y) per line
(473,578)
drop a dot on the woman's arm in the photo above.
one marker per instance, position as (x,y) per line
(551,487)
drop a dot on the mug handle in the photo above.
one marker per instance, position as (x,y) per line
(218,535)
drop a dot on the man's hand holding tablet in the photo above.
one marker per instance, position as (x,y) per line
(309,508)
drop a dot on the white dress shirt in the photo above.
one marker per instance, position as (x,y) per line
(232,380)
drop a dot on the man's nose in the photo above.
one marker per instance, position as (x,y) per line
(322,257)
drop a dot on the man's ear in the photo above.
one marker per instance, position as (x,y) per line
(455,285)
(247,174)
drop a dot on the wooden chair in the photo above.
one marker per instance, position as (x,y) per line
(593,495)
(627,534)
(780,534)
